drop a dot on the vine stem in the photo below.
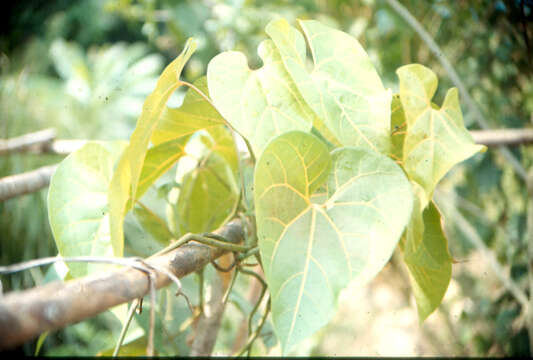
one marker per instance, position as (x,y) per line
(435,49)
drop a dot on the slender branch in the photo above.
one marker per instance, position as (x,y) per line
(26,314)
(25,183)
(26,141)
(40,142)
(435,49)
(508,137)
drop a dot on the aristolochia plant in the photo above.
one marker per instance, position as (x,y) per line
(345,170)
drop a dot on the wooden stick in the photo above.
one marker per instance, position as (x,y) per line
(25,183)
(26,314)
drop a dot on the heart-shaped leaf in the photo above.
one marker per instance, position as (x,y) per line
(436,139)
(425,252)
(343,88)
(311,251)
(259,104)
(78,204)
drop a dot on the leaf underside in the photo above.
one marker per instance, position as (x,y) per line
(311,251)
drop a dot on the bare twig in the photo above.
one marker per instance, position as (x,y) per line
(24,142)
(435,49)
(25,183)
(26,314)
(508,137)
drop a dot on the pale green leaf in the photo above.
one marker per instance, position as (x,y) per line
(343,88)
(123,188)
(310,251)
(259,104)
(436,139)
(78,204)
(425,252)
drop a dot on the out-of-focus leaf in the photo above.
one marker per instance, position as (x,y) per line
(261,103)
(311,251)
(436,139)
(123,188)
(343,88)
(78,204)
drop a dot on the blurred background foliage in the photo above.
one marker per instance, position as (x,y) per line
(84,68)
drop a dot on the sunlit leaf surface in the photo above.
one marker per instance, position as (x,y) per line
(343,87)
(310,250)
(436,139)
(261,103)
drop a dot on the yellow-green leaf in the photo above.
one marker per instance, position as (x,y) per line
(398,127)
(436,139)
(425,252)
(123,188)
(208,195)
(195,113)
(343,88)
(311,250)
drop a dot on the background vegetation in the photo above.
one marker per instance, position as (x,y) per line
(85,67)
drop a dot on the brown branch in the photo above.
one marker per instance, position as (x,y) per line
(26,314)
(25,183)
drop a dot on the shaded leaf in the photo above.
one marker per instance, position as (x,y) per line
(311,251)
(343,88)
(209,193)
(78,204)
(398,128)
(436,139)
(425,252)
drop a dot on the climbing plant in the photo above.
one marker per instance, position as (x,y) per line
(336,171)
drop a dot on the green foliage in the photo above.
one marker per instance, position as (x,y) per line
(123,187)
(312,251)
(483,40)
(436,139)
(324,219)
